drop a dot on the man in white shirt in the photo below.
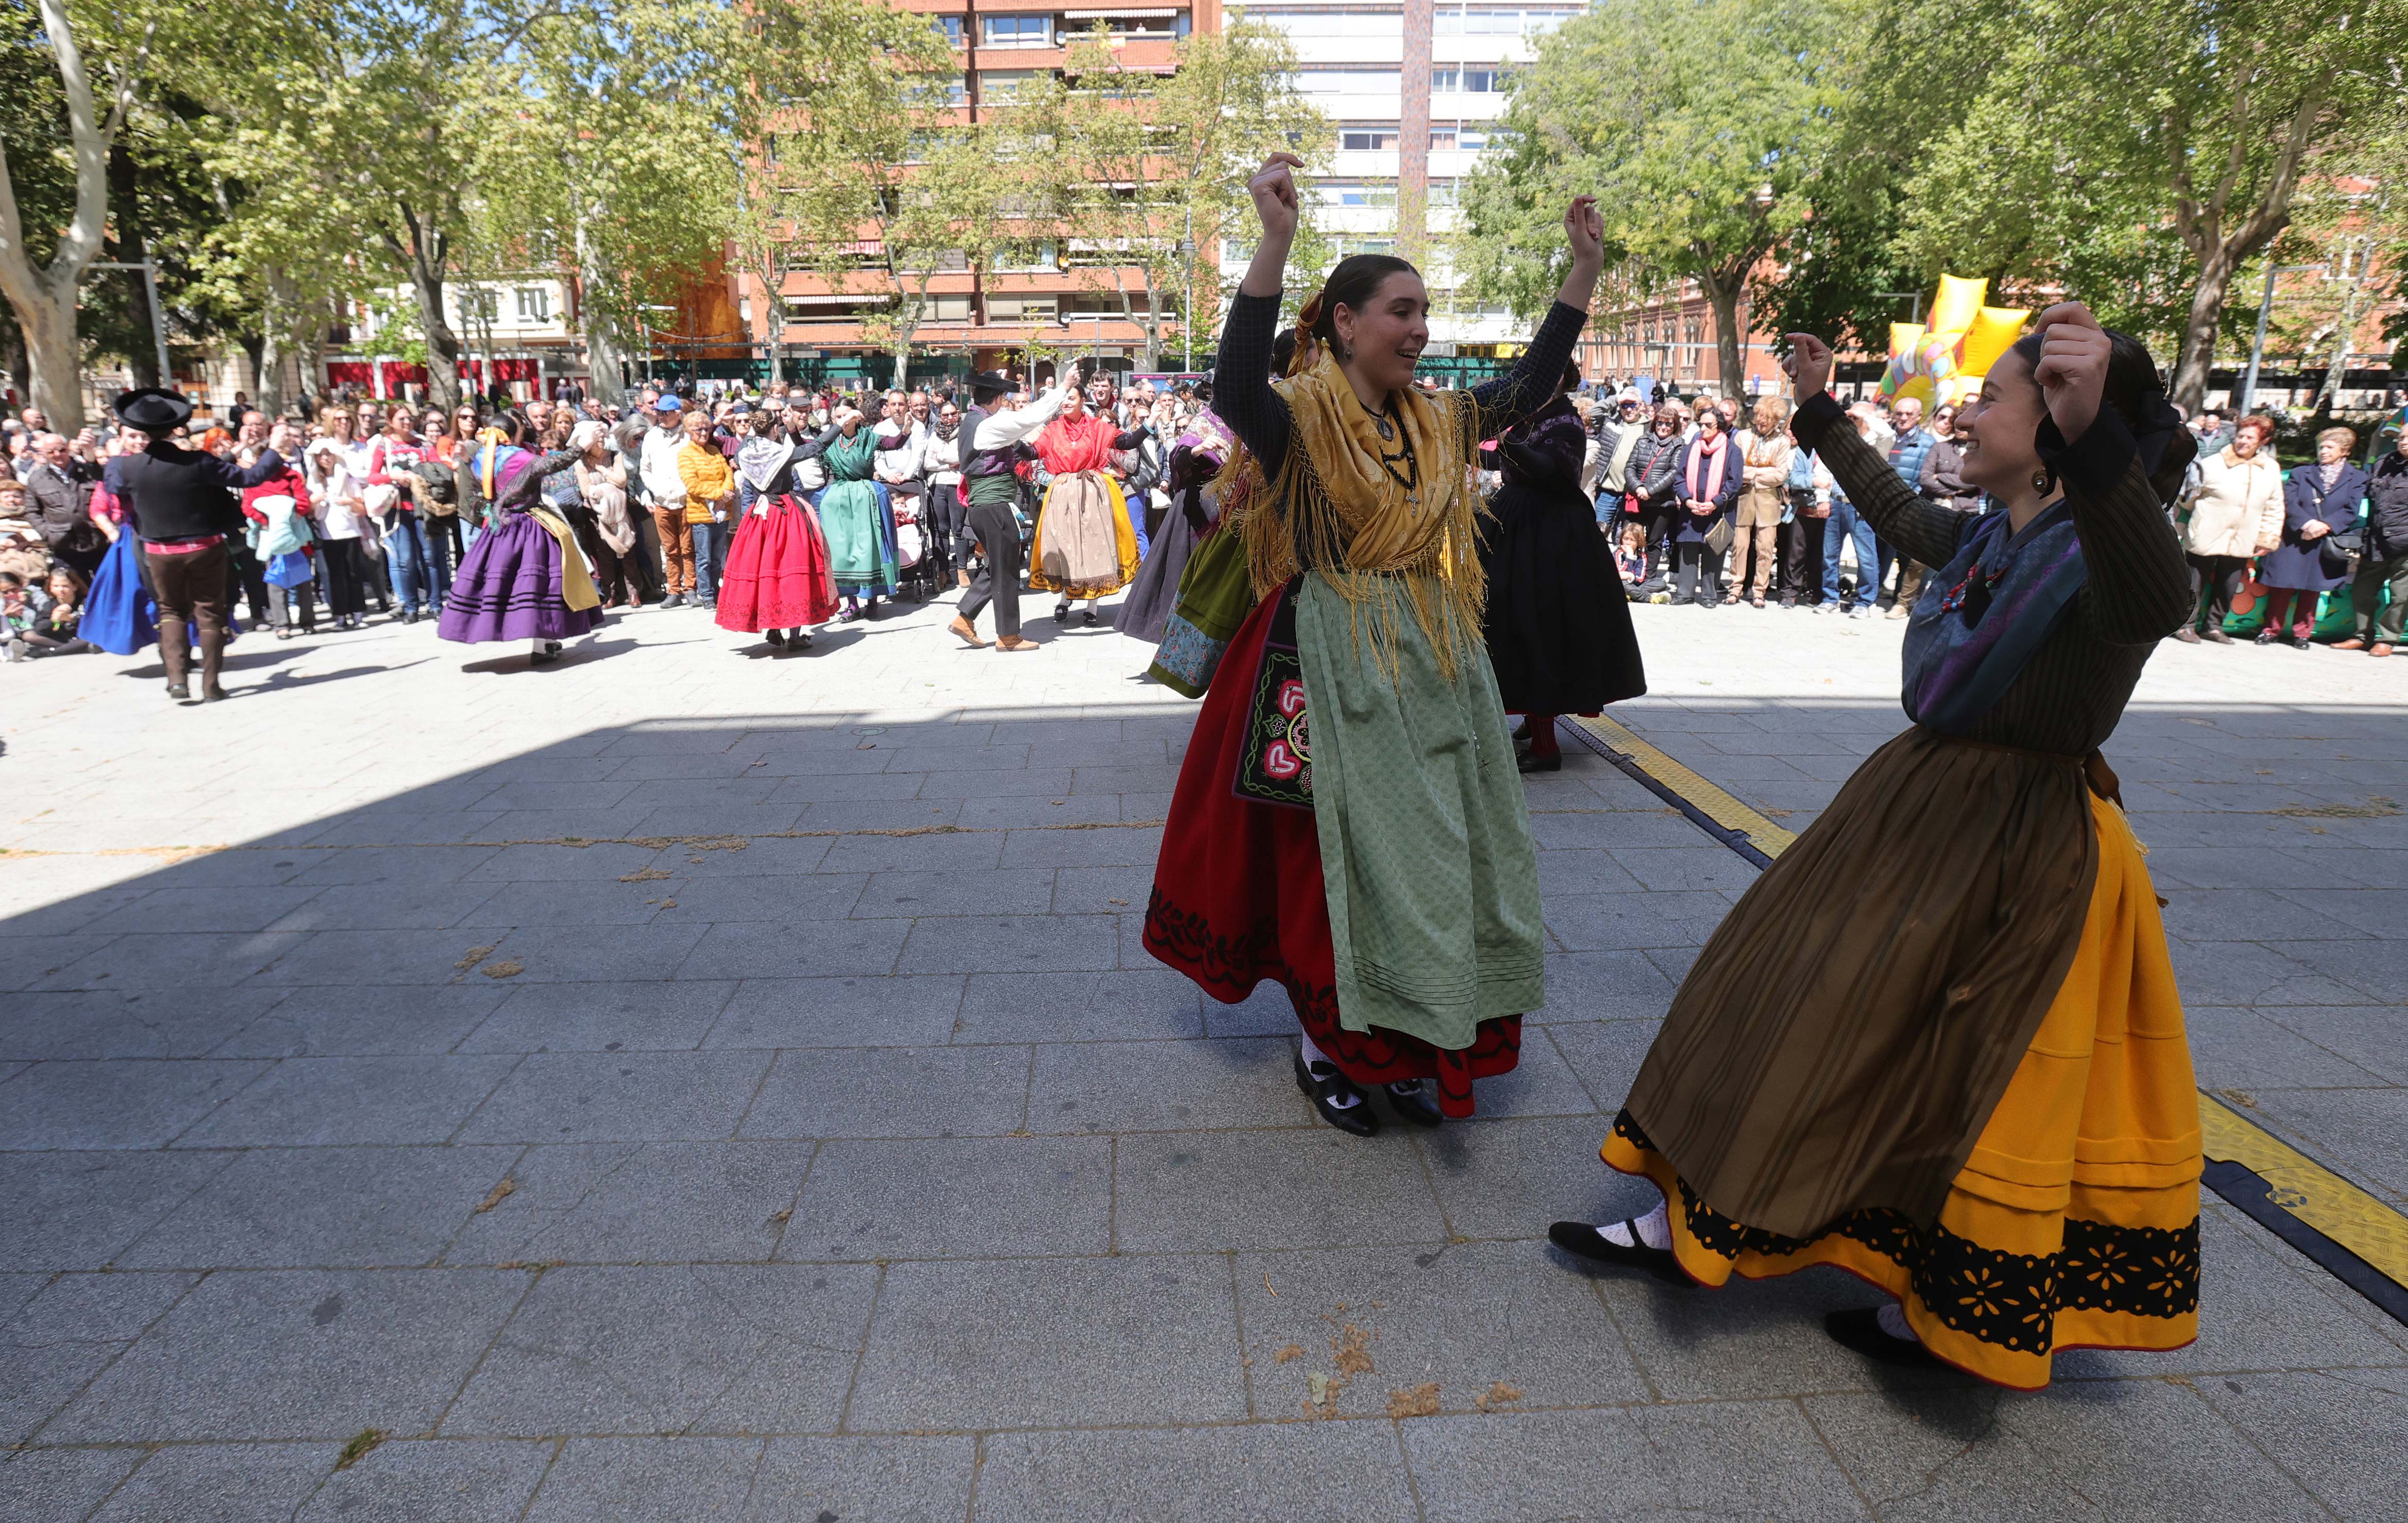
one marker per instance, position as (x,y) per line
(663,492)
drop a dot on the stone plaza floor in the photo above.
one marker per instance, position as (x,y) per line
(687,1084)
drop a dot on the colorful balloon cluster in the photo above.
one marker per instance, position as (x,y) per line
(1945,359)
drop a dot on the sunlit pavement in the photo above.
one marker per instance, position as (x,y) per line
(689,1082)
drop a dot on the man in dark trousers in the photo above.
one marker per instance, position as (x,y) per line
(993,441)
(180,503)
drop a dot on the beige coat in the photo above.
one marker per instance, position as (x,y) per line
(2239,510)
(1764,488)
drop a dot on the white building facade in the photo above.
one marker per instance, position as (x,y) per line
(1415,87)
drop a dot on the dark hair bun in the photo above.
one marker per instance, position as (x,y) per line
(2136,391)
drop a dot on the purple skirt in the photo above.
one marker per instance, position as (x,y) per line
(510,588)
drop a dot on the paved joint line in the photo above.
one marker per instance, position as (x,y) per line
(2352,1235)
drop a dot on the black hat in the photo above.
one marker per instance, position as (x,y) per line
(153,410)
(990,381)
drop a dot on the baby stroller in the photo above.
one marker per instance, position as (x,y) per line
(913,551)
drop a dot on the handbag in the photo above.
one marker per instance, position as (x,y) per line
(1718,539)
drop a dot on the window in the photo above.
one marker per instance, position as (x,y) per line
(949,309)
(1441,138)
(950,27)
(1445,192)
(1356,193)
(769,148)
(478,306)
(1347,248)
(1367,138)
(1002,84)
(1348,81)
(1022,308)
(534,304)
(1019,31)
(1309,24)
(1471,81)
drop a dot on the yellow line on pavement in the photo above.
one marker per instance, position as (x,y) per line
(1709,800)
(2307,1189)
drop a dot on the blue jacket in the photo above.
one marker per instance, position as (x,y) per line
(1906,454)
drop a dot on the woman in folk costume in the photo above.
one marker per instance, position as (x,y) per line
(1558,621)
(1376,857)
(524,577)
(1196,457)
(857,516)
(1967,1083)
(778,579)
(1085,545)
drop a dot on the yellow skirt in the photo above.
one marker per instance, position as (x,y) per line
(1085,544)
(2075,1223)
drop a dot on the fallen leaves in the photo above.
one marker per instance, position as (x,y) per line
(357,1450)
(1420,1402)
(1351,1349)
(646,875)
(498,1194)
(508,967)
(474,955)
(1497,1395)
(1292,1352)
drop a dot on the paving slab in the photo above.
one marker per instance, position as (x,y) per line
(862,1163)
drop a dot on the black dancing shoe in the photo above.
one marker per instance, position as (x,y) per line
(775,637)
(1417,1105)
(1860,1329)
(1581,1241)
(1062,614)
(179,692)
(1532,762)
(1356,1118)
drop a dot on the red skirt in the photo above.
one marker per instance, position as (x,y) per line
(777,575)
(1237,898)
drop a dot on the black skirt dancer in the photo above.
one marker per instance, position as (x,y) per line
(1558,623)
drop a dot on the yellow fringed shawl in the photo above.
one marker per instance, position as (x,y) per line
(1333,508)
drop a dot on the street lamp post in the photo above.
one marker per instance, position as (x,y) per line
(1187,309)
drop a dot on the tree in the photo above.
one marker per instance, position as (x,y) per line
(1697,127)
(44,297)
(1149,171)
(2152,140)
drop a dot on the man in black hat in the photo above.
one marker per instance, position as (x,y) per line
(180,503)
(993,441)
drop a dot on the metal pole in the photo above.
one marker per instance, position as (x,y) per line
(2256,347)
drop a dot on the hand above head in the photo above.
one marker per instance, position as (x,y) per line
(2073,369)
(1585,231)
(1808,365)
(1274,188)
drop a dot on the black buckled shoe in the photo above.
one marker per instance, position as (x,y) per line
(1860,1329)
(1581,1241)
(1416,1104)
(1322,1088)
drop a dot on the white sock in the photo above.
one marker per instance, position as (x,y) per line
(1892,1319)
(1654,1229)
(1317,1063)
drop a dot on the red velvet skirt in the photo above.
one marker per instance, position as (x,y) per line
(777,575)
(1237,898)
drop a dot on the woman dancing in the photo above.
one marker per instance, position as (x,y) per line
(1559,620)
(1966,1080)
(524,577)
(777,581)
(1376,860)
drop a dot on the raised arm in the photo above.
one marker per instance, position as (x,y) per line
(1531,383)
(1018,425)
(1241,386)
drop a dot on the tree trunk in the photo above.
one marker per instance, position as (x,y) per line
(277,311)
(603,354)
(2199,330)
(424,255)
(1153,324)
(1723,295)
(54,357)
